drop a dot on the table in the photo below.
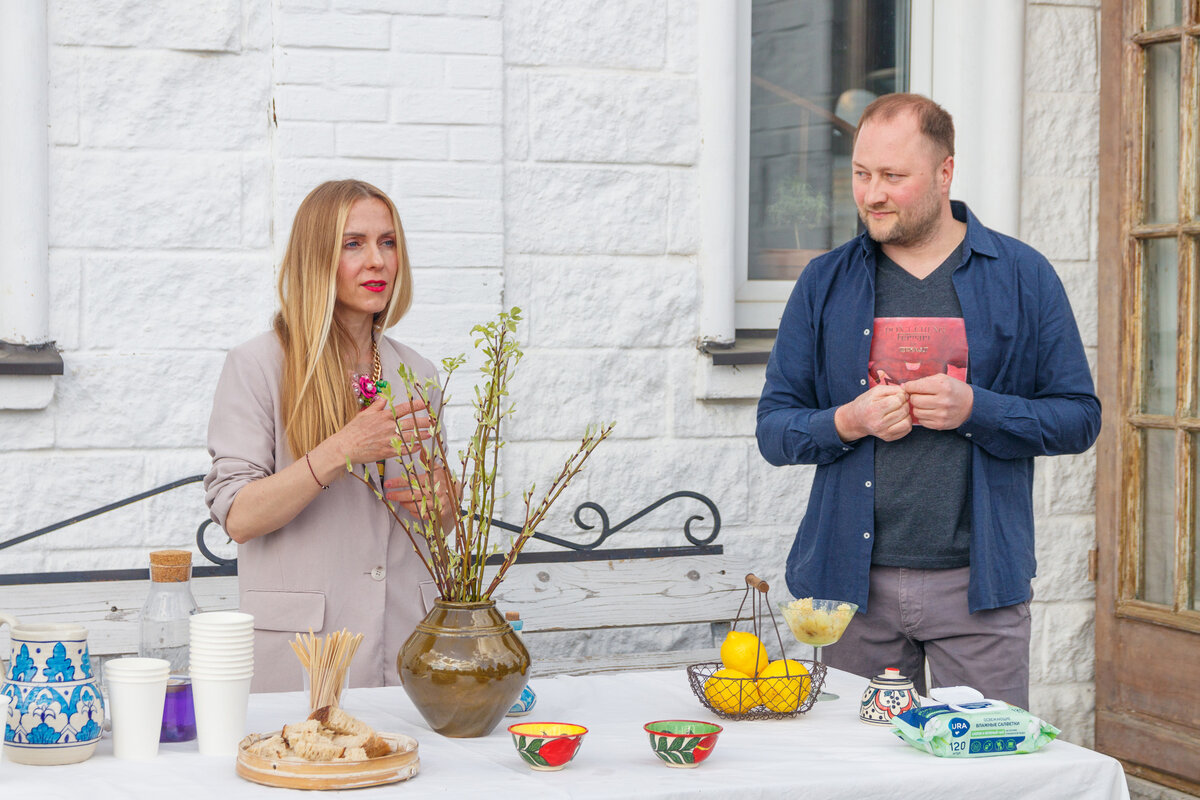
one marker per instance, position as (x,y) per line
(826,753)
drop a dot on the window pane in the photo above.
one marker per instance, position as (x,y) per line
(815,65)
(1160,325)
(1162,132)
(1163,14)
(1158,518)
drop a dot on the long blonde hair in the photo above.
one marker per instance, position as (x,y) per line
(316,397)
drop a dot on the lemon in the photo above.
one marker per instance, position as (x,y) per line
(744,652)
(784,685)
(731,691)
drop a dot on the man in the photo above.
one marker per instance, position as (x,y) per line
(921,509)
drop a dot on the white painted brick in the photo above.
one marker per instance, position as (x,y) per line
(694,418)
(320,104)
(1063,543)
(26,430)
(303,66)
(63,97)
(363,69)
(1071,483)
(44,502)
(1081,283)
(296,177)
(419,70)
(101,199)
(1060,50)
(438,331)
(559,392)
(613,117)
(451,216)
(448,35)
(208,26)
(683,222)
(474,72)
(683,35)
(516,114)
(206,302)
(1062,135)
(586,32)
(781,497)
(66,277)
(476,143)
(552,209)
(129,390)
(446,287)
(431,7)
(1068,707)
(256,202)
(131,98)
(584,301)
(454,249)
(351,31)
(1057,217)
(1062,643)
(449,180)
(303,5)
(257,26)
(385,140)
(475,8)
(306,139)
(448,106)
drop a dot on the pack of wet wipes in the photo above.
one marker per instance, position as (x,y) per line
(973,729)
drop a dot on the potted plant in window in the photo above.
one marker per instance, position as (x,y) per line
(464,666)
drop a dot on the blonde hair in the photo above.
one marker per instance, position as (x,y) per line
(316,396)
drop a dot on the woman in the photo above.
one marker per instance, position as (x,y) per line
(316,548)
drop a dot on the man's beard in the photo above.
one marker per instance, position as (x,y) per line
(916,225)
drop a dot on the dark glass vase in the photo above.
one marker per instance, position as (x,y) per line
(463,668)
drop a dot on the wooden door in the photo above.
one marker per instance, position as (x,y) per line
(1148,589)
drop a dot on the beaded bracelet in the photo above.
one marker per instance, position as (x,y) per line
(314,473)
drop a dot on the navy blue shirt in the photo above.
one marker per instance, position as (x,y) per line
(1033,396)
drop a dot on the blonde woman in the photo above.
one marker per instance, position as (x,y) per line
(316,549)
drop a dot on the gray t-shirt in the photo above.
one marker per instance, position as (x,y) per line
(922,500)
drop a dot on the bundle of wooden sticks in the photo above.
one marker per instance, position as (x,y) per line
(326,659)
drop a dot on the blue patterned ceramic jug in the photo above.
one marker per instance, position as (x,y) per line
(55,710)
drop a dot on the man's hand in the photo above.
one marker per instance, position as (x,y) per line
(940,402)
(881,411)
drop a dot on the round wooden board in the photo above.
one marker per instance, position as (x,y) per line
(400,765)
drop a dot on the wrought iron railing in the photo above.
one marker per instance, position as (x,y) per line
(570,550)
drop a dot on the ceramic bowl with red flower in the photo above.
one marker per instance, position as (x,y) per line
(682,743)
(547,746)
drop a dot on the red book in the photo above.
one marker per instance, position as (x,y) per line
(907,348)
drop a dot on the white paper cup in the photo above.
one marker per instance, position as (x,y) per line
(136,694)
(214,654)
(220,713)
(239,670)
(220,619)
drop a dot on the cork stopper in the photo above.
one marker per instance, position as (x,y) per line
(170,566)
(512,616)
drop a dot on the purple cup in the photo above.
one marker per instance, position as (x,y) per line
(179,715)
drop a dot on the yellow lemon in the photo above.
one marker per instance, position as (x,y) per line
(731,691)
(784,685)
(744,652)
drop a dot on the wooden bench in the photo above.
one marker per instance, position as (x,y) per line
(561,595)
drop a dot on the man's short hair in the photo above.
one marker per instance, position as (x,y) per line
(933,121)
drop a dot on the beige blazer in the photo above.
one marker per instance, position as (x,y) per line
(343,562)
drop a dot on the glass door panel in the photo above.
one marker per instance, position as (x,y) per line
(1160,326)
(1161,142)
(1163,14)
(1158,518)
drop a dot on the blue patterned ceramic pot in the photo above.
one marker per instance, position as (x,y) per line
(887,695)
(55,709)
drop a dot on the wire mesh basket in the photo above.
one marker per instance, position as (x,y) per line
(778,697)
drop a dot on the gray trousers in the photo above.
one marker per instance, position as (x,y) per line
(919,615)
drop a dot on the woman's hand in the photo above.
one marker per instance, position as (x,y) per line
(400,490)
(368,437)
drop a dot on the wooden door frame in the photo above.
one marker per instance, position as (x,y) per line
(1136,739)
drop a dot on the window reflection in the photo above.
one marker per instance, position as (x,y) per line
(815,65)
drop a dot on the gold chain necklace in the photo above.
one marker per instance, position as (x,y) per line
(376,365)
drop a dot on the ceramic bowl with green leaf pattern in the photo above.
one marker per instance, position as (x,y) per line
(547,746)
(682,743)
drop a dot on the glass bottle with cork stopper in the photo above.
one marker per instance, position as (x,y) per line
(165,634)
(528,698)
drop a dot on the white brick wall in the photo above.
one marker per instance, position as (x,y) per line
(542,154)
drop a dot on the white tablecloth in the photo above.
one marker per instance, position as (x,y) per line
(826,753)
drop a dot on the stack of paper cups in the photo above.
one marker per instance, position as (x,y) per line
(136,690)
(222,664)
